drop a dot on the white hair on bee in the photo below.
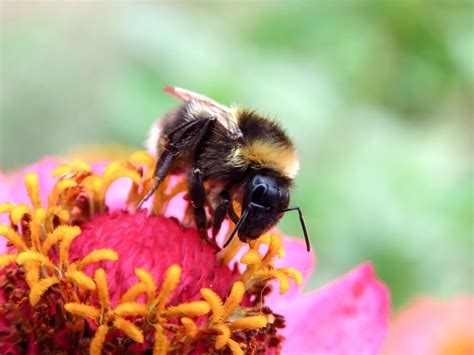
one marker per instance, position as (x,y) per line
(151,144)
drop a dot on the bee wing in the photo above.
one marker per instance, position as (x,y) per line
(224,114)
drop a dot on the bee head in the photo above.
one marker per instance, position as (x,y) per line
(265,197)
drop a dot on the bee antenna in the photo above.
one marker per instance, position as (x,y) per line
(237,226)
(303,224)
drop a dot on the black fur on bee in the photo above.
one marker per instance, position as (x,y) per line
(245,156)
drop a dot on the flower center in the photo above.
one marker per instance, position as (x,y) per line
(154,243)
(125,281)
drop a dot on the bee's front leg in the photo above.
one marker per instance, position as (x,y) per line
(185,137)
(198,199)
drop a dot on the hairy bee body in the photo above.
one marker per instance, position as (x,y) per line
(262,145)
(243,155)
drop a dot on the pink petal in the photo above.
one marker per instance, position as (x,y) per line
(44,169)
(4,195)
(117,192)
(297,256)
(428,326)
(348,316)
(12,187)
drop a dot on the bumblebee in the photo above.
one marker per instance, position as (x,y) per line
(241,155)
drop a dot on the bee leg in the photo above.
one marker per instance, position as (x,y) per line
(161,170)
(220,212)
(223,209)
(187,136)
(197,197)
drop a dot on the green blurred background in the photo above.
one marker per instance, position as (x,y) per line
(377,95)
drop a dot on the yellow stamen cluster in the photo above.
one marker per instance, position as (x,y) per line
(106,316)
(80,174)
(42,237)
(43,248)
(222,316)
(160,316)
(259,266)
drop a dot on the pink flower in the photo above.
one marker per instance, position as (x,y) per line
(348,316)
(429,326)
